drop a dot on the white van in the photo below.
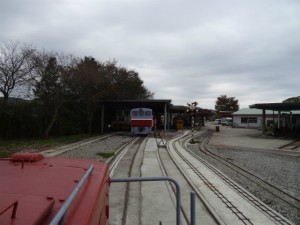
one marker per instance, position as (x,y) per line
(226,121)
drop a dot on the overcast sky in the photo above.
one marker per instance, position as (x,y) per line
(185,51)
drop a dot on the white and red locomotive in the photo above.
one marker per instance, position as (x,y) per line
(141,121)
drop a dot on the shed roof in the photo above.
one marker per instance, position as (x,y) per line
(254,112)
(155,104)
(277,106)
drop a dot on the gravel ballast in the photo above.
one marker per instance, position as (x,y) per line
(280,170)
(108,145)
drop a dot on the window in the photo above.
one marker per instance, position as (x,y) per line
(244,119)
(141,112)
(147,113)
(134,113)
(248,119)
(252,120)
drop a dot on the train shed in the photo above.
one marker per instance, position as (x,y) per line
(118,110)
(288,120)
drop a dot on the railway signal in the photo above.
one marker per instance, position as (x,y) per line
(192,108)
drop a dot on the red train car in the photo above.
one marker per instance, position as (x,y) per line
(38,190)
(141,121)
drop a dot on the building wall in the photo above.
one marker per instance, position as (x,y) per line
(247,121)
(253,121)
(256,121)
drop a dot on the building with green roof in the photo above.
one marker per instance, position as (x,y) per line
(253,118)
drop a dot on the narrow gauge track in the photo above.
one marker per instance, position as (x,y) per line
(69,147)
(276,192)
(215,190)
(284,196)
(277,218)
(125,164)
(164,155)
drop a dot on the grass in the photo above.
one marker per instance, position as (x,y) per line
(8,147)
(106,155)
(4,154)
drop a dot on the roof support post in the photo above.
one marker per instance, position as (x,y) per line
(279,120)
(166,119)
(264,121)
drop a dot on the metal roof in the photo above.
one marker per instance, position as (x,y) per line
(258,112)
(251,112)
(156,104)
(277,106)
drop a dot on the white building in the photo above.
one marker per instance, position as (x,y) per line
(252,118)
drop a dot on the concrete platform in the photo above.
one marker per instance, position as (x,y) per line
(152,201)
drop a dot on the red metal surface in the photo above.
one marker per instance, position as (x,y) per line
(141,123)
(41,187)
(32,157)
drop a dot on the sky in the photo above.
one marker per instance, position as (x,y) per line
(186,51)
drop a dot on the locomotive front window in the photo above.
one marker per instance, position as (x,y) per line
(141,112)
(135,113)
(147,113)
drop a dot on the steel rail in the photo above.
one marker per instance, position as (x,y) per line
(114,163)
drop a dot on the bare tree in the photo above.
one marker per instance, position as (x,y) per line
(14,66)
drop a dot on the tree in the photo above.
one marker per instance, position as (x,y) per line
(126,84)
(225,103)
(123,83)
(292,100)
(50,91)
(14,66)
(88,86)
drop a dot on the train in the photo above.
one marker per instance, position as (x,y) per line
(178,122)
(121,120)
(38,190)
(142,121)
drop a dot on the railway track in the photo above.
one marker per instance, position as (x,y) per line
(69,147)
(125,207)
(276,192)
(192,165)
(173,170)
(291,201)
(130,157)
(234,209)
